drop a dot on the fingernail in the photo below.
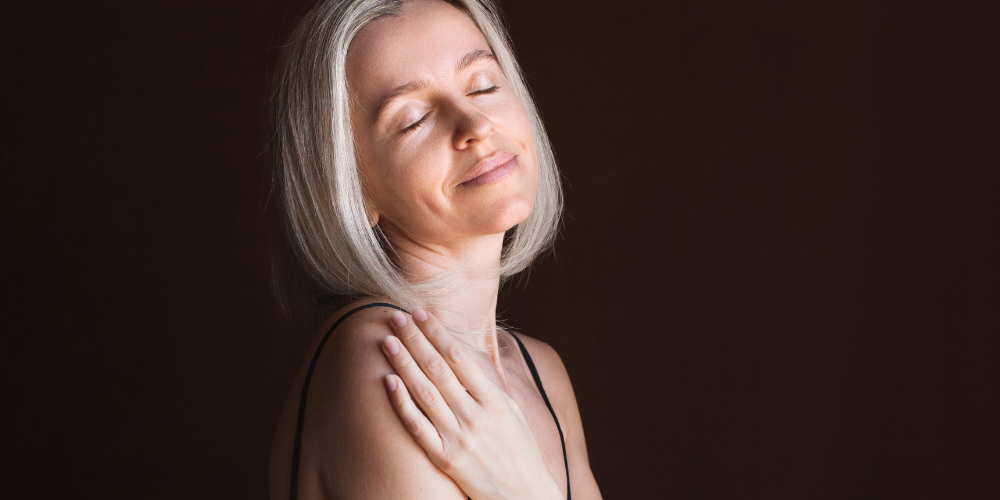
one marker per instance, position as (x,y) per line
(398,319)
(390,383)
(391,345)
(419,315)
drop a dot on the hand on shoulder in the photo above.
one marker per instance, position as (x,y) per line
(354,445)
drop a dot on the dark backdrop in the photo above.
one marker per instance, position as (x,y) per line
(772,282)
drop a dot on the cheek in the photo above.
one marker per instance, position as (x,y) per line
(514,119)
(521,128)
(410,186)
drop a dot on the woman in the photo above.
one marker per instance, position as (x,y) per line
(414,175)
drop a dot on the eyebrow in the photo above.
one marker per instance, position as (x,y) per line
(467,60)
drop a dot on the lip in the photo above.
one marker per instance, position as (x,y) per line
(492,168)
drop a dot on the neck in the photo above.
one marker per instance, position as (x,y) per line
(469,300)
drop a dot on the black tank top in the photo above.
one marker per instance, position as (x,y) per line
(297,449)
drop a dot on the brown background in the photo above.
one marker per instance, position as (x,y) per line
(772,281)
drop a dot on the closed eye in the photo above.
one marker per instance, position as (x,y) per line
(490,90)
(415,125)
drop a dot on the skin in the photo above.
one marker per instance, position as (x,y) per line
(355,442)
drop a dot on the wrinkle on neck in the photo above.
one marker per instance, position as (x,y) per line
(468,302)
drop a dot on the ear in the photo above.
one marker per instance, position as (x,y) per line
(372,217)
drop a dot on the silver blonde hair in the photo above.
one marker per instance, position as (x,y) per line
(316,181)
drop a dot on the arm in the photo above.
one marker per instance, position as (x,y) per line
(355,446)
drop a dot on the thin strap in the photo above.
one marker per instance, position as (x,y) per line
(538,382)
(294,494)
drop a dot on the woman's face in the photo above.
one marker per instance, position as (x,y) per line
(445,145)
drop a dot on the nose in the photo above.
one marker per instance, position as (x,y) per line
(471,126)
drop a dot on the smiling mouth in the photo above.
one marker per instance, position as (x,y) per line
(492,174)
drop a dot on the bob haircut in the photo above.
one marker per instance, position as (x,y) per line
(328,254)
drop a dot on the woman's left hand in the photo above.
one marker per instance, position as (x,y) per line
(469,427)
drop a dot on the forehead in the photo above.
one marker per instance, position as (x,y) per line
(423,43)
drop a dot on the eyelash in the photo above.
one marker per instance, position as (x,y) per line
(488,90)
(415,125)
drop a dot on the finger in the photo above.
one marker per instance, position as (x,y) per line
(434,366)
(423,432)
(469,374)
(422,390)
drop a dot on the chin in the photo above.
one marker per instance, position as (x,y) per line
(505,204)
(506,214)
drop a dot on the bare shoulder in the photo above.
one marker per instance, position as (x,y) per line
(552,372)
(353,443)
(559,389)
